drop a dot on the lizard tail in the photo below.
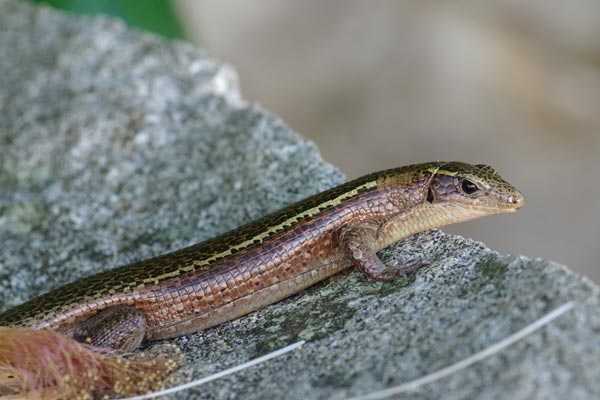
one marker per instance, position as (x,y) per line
(42,364)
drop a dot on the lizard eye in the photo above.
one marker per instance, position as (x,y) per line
(469,187)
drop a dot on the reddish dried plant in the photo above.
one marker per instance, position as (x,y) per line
(41,364)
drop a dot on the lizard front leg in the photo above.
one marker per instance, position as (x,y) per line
(358,244)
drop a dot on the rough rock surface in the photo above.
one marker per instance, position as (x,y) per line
(116,145)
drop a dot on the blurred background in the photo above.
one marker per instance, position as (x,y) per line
(381,84)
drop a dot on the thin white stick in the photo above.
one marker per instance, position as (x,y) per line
(451,369)
(218,375)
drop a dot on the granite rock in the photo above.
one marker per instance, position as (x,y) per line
(116,145)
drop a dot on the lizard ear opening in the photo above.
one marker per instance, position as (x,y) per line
(430,195)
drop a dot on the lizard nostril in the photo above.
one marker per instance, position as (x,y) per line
(516,199)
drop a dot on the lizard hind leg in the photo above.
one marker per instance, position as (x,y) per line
(119,328)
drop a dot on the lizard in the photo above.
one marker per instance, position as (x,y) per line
(269,259)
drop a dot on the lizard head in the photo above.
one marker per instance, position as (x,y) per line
(470,191)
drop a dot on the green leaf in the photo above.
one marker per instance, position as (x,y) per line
(155,16)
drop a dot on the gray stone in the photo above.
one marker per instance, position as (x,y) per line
(116,145)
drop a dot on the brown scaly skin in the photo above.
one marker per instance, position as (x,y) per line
(269,259)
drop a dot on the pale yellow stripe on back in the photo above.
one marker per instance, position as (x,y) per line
(266,233)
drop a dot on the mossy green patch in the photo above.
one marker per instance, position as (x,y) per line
(308,318)
(383,289)
(323,309)
(14,174)
(492,271)
(24,216)
(335,377)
